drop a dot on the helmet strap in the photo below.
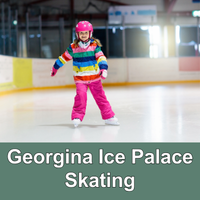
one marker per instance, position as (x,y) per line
(84,45)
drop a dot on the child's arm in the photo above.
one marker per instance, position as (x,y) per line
(64,58)
(102,62)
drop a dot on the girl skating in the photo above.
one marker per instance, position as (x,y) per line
(89,67)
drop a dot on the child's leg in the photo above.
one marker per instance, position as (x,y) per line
(80,101)
(98,93)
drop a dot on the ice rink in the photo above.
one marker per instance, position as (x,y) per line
(165,113)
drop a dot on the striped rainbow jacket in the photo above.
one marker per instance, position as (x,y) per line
(86,62)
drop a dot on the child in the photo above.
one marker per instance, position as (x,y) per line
(89,66)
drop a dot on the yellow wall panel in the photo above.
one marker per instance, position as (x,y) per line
(6,86)
(22,72)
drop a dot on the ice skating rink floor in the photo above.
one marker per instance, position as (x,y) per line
(164,113)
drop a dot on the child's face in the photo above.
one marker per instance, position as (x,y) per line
(84,35)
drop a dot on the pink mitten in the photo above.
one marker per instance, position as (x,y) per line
(103,73)
(53,71)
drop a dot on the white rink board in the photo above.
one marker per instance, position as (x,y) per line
(159,69)
(120,70)
(41,73)
(6,69)
(117,71)
(195,75)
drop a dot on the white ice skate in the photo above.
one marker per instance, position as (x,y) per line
(112,121)
(76,122)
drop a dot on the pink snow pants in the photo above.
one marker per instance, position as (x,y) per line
(80,100)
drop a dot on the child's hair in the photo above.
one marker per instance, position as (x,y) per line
(76,41)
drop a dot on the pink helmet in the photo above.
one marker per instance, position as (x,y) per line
(84,26)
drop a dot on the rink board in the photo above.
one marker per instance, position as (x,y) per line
(19,73)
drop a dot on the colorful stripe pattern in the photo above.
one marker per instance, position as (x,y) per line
(86,62)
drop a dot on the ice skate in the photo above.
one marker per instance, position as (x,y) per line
(76,122)
(112,121)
